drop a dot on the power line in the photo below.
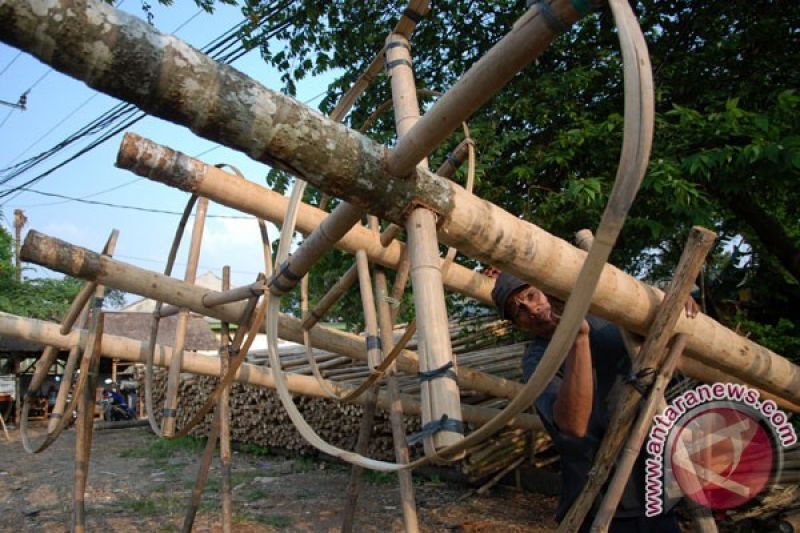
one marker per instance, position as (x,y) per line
(122,206)
(92,195)
(105,121)
(10,63)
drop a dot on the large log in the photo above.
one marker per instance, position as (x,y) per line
(126,349)
(85,264)
(124,57)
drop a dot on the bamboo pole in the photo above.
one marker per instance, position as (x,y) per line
(319,242)
(401,453)
(223,410)
(170,410)
(84,425)
(202,475)
(160,163)
(441,395)
(651,356)
(528,38)
(131,350)
(633,445)
(484,231)
(78,261)
(374,357)
(230,295)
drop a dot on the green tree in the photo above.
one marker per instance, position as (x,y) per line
(43,298)
(726,150)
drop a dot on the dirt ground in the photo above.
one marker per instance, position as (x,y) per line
(138,483)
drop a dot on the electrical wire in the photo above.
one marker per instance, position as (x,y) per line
(118,112)
(122,206)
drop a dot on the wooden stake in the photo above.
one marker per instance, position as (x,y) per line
(368,417)
(84,425)
(651,356)
(402,455)
(224,413)
(173,379)
(626,461)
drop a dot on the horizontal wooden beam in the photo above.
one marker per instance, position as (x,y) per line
(131,350)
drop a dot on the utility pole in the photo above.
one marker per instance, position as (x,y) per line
(19,221)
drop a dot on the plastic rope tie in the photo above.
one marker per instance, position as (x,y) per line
(416,16)
(636,379)
(444,371)
(555,23)
(435,426)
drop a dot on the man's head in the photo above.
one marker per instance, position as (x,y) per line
(524,305)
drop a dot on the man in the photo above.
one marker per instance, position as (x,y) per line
(574,407)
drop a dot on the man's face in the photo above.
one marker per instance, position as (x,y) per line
(530,310)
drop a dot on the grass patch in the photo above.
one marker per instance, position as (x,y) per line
(379,478)
(163,449)
(140,506)
(256,494)
(278,521)
(304,464)
(254,449)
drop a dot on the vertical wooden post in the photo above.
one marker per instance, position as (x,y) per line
(368,416)
(440,396)
(173,379)
(19,221)
(402,456)
(15,364)
(85,423)
(651,356)
(223,409)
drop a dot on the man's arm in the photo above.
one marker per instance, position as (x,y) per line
(573,406)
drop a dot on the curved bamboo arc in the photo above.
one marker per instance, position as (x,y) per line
(154,322)
(54,431)
(637,140)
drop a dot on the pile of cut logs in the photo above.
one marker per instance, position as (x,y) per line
(258,417)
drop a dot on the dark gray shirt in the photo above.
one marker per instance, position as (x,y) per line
(609,360)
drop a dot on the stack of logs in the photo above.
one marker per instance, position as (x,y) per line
(258,417)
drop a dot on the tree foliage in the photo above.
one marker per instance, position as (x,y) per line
(726,151)
(43,298)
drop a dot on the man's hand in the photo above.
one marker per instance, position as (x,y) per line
(691,308)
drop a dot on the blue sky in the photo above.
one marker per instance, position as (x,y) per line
(144,237)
